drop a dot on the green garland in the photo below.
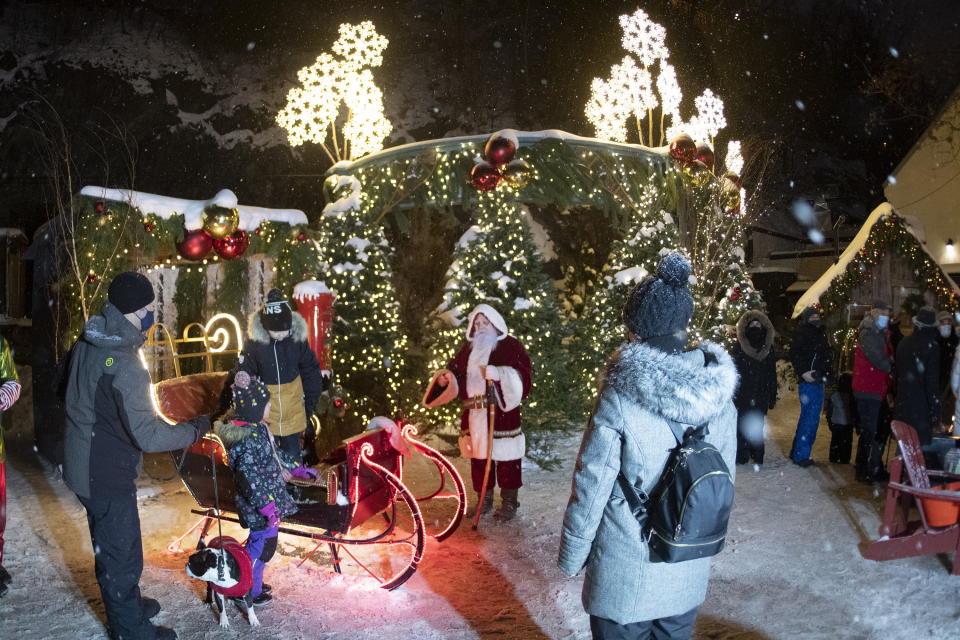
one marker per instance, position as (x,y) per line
(888,234)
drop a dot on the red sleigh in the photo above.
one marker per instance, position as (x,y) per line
(361,508)
(903,537)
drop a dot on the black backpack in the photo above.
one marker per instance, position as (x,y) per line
(686,515)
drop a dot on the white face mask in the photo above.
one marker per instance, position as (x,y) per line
(883,321)
(945,330)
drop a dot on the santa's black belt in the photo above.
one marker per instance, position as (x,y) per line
(503,434)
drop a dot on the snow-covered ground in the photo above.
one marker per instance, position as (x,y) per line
(792,567)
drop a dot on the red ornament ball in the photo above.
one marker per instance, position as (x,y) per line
(484,176)
(98,207)
(683,149)
(92,277)
(149,227)
(258,231)
(705,155)
(301,237)
(195,245)
(499,150)
(735,293)
(232,246)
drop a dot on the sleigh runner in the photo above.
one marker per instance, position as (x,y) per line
(360,507)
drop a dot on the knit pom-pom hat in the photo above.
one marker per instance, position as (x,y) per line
(276,314)
(250,397)
(661,304)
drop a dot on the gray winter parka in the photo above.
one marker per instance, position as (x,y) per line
(628,432)
(110,419)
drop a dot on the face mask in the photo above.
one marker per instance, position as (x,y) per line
(816,322)
(146,321)
(883,321)
(945,330)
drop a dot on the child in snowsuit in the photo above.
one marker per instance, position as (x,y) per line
(840,419)
(261,493)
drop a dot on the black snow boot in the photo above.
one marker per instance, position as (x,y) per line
(487,505)
(509,504)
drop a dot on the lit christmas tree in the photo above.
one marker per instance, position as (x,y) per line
(352,257)
(649,231)
(497,263)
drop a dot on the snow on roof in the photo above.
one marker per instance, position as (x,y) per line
(818,288)
(192,210)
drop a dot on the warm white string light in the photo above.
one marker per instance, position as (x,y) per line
(312,109)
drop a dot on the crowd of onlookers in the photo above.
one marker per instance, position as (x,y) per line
(897,374)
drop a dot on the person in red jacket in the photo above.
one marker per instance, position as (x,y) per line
(872,365)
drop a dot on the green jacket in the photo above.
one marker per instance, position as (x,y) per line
(8,373)
(110,416)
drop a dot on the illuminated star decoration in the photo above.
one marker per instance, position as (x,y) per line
(343,79)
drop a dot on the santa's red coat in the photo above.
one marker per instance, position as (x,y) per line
(508,353)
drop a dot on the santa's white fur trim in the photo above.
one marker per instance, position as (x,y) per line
(503,448)
(509,448)
(492,315)
(511,387)
(448,395)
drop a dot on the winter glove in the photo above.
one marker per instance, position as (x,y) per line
(201,425)
(305,473)
(269,511)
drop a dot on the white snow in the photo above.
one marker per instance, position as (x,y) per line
(630,275)
(360,246)
(309,289)
(468,236)
(519,304)
(818,288)
(192,210)
(791,568)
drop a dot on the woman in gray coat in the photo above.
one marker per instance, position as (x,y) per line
(648,380)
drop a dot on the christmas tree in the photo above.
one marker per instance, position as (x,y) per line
(649,231)
(353,259)
(496,262)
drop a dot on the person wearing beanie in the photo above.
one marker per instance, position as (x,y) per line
(277,352)
(918,376)
(757,393)
(872,370)
(489,353)
(812,361)
(258,473)
(110,422)
(649,381)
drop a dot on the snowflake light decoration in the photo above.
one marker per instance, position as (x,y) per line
(710,112)
(636,85)
(312,110)
(734,160)
(608,110)
(694,128)
(669,89)
(643,37)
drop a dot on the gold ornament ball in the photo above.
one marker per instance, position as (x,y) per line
(517,173)
(220,222)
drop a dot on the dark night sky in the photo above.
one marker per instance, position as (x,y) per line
(838,90)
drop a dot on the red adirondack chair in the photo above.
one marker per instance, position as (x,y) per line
(902,537)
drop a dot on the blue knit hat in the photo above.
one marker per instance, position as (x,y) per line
(661,304)
(250,396)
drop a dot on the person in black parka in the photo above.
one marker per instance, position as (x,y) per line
(757,393)
(918,376)
(812,360)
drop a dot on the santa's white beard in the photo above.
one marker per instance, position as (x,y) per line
(483,343)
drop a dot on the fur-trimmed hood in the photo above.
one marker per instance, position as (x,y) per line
(257,332)
(742,325)
(492,315)
(230,432)
(678,387)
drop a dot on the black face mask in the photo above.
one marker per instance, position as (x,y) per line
(756,336)
(816,323)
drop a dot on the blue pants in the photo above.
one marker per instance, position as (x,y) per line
(261,546)
(811,402)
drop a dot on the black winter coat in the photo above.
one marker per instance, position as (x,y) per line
(810,351)
(278,362)
(918,381)
(757,366)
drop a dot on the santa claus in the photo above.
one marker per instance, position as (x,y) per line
(490,353)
